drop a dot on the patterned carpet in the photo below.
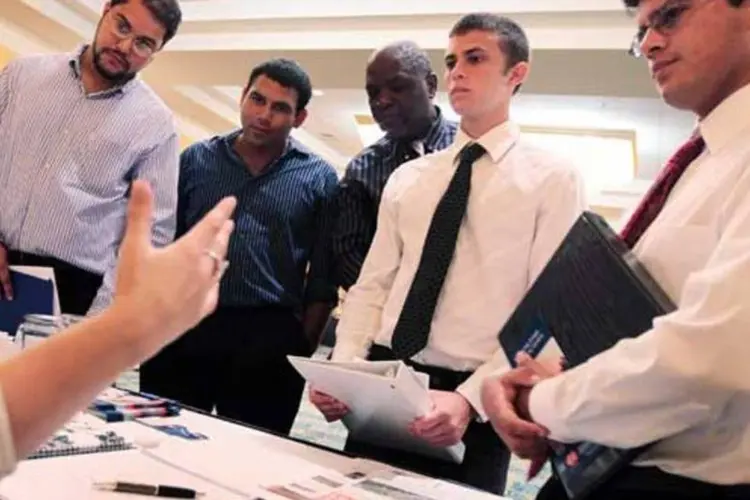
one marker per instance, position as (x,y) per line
(311,426)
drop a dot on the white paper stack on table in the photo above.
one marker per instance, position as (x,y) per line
(384,397)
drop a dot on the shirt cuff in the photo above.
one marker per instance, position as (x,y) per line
(8,459)
(544,412)
(348,351)
(472,392)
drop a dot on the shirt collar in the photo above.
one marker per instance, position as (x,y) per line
(296,147)
(293,146)
(727,121)
(496,141)
(75,66)
(435,133)
(432,139)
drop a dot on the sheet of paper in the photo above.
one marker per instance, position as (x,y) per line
(384,368)
(257,471)
(71,478)
(436,489)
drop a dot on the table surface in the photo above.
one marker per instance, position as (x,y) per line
(232,464)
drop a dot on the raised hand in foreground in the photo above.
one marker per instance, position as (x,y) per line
(160,293)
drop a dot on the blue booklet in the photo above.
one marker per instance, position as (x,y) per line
(591,294)
(31,295)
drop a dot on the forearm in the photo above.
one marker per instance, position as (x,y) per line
(315,319)
(647,388)
(68,370)
(471,389)
(360,320)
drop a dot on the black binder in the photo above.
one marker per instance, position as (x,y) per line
(592,293)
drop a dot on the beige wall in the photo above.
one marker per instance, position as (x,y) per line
(185,141)
(5,56)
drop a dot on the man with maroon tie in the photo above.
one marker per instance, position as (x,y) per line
(685,383)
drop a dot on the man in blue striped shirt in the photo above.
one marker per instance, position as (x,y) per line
(400,88)
(75,131)
(278,291)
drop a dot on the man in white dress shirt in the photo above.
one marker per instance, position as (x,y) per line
(522,203)
(685,383)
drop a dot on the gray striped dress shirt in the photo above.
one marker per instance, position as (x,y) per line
(67,160)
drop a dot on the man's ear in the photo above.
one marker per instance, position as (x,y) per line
(432,84)
(300,118)
(519,73)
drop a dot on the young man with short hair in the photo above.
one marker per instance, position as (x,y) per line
(684,383)
(278,292)
(461,235)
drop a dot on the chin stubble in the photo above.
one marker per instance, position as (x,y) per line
(111,77)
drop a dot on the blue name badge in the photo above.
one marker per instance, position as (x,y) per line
(536,337)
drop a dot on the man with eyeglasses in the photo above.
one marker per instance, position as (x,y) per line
(75,131)
(685,383)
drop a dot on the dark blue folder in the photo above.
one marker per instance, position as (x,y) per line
(31,295)
(591,294)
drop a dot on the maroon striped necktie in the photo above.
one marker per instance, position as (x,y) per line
(656,197)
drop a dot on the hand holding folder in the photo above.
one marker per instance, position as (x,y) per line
(384,398)
(331,408)
(592,294)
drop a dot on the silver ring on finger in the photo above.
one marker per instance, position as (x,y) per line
(219,264)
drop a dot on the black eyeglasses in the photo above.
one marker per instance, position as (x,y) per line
(142,46)
(664,21)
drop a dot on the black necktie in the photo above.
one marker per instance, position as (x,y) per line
(413,325)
